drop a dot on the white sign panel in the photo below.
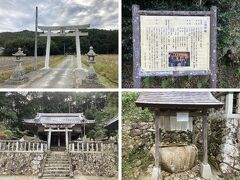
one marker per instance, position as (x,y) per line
(175,43)
(182,116)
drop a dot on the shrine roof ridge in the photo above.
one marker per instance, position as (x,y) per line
(176,99)
(68,27)
(59,118)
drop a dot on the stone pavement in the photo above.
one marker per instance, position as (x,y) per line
(60,77)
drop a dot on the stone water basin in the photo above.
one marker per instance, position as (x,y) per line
(177,157)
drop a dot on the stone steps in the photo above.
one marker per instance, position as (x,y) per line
(56,166)
(50,177)
(57,161)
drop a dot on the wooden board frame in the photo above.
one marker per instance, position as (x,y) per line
(138,72)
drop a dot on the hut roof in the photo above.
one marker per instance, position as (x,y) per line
(178,99)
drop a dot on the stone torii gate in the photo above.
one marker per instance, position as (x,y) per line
(63,32)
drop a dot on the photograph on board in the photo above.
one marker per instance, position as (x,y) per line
(179,59)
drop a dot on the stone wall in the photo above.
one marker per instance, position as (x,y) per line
(143,133)
(20,163)
(94,164)
(138,139)
(224,145)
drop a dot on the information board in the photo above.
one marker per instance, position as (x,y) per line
(175,43)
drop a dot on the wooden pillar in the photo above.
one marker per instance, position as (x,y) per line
(156,173)
(136,45)
(193,133)
(205,136)
(238,103)
(49,138)
(48,49)
(157,142)
(213,46)
(205,169)
(66,137)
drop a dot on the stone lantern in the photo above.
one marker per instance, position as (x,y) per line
(91,55)
(18,75)
(91,74)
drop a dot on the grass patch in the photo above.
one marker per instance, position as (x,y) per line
(54,61)
(106,66)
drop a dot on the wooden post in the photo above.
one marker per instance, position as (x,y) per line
(35,46)
(157,141)
(238,103)
(66,137)
(136,45)
(205,136)
(193,133)
(78,146)
(205,169)
(156,173)
(213,46)
(49,138)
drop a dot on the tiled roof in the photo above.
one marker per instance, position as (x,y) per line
(177,99)
(59,118)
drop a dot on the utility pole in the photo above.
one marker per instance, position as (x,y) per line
(35,50)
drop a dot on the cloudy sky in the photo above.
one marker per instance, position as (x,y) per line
(18,15)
